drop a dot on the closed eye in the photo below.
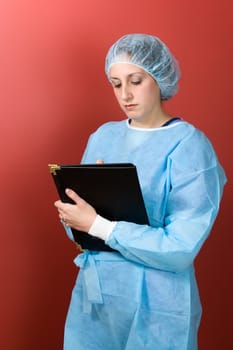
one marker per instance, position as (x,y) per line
(116,86)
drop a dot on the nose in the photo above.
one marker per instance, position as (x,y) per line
(125,93)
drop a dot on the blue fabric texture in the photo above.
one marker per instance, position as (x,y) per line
(145,296)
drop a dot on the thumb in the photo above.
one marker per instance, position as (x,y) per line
(73,195)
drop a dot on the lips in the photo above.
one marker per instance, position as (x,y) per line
(130,106)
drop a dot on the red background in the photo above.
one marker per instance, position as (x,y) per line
(53,93)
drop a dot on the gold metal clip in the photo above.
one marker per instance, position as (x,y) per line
(53,168)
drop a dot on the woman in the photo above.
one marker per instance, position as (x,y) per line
(144,295)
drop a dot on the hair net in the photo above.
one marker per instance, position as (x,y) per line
(149,53)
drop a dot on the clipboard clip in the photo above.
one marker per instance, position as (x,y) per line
(53,168)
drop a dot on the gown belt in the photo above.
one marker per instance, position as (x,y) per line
(92,291)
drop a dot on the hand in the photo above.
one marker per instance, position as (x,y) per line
(79,216)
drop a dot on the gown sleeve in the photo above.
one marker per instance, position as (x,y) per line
(196,183)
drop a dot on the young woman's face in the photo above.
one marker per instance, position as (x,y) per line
(137,93)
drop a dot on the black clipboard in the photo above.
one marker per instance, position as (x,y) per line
(112,189)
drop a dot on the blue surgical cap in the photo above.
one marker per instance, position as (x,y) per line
(151,54)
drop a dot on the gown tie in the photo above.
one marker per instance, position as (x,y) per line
(92,291)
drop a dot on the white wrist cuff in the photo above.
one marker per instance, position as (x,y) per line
(101,227)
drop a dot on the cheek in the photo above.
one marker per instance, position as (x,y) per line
(117,95)
(152,94)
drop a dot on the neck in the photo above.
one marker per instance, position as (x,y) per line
(152,123)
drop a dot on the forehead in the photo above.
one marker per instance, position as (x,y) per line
(122,69)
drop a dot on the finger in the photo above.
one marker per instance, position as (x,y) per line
(58,203)
(99,161)
(73,195)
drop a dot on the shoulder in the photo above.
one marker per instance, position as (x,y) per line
(196,139)
(108,130)
(112,126)
(194,150)
(186,138)
(187,130)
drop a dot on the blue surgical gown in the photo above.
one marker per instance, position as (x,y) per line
(145,295)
